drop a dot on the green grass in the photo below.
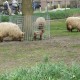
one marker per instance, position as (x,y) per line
(45,71)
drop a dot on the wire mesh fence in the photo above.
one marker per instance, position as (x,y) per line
(30,27)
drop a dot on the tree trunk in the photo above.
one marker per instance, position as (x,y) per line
(27,7)
(27,12)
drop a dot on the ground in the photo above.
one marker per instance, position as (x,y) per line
(63,46)
(28,53)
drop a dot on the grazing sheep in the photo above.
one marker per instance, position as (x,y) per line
(8,29)
(40,23)
(73,23)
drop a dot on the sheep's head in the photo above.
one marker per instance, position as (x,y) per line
(21,36)
(40,23)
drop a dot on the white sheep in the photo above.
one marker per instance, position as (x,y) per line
(72,23)
(40,24)
(8,29)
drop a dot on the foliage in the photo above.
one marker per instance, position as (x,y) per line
(4,18)
(53,15)
(60,14)
(64,14)
(7,18)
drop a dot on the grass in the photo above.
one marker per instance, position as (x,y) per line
(45,71)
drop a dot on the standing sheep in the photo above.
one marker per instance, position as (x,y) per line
(72,23)
(40,24)
(8,29)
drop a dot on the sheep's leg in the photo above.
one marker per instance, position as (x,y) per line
(1,39)
(40,37)
(35,36)
(78,30)
(69,28)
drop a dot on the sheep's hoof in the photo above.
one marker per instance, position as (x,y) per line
(1,40)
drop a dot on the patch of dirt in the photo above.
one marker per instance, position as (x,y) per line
(27,53)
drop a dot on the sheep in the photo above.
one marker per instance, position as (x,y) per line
(8,29)
(73,23)
(40,24)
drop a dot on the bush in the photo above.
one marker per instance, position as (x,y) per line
(60,14)
(53,15)
(4,18)
(64,14)
(57,15)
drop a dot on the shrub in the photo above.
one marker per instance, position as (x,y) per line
(60,14)
(4,18)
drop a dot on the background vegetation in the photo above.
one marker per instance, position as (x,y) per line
(61,14)
(53,15)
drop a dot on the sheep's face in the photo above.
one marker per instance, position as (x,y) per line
(41,25)
(21,36)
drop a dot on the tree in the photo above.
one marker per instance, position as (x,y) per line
(27,7)
(27,12)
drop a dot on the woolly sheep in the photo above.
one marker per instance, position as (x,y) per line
(8,29)
(72,23)
(40,24)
